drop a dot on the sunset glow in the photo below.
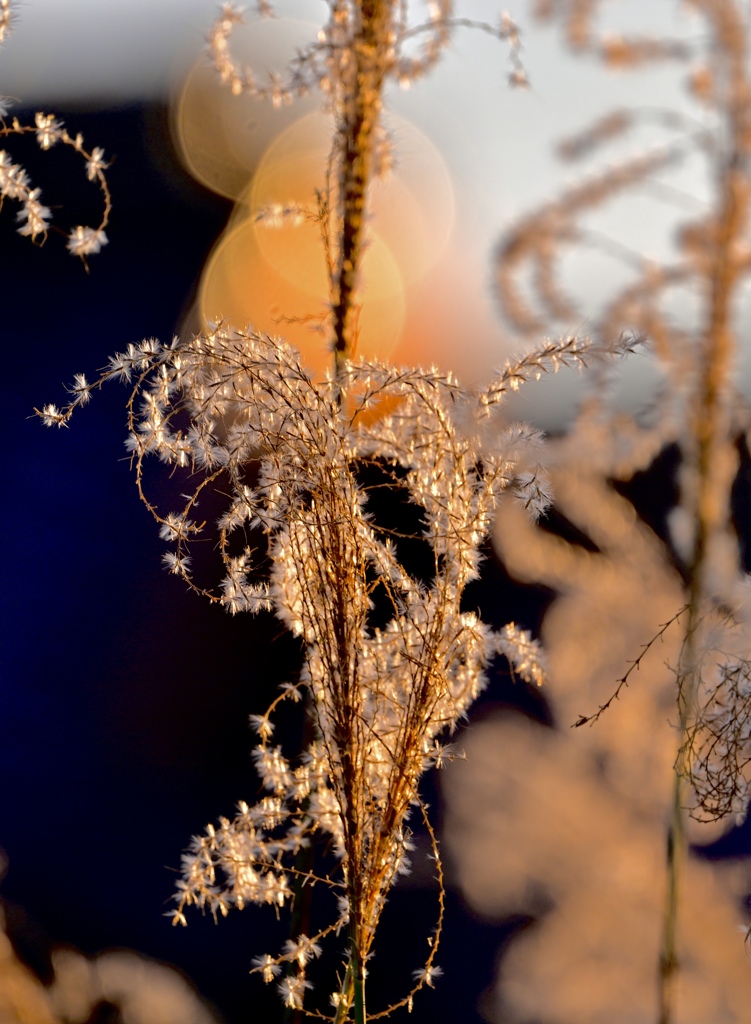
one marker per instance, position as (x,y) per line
(275,277)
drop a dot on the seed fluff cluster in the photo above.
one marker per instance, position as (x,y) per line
(391,657)
(34,217)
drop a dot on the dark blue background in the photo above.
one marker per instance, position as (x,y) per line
(124,700)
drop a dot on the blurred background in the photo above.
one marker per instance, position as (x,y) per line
(123,728)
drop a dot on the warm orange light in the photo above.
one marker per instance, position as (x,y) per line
(411,209)
(276,279)
(282,289)
(221,138)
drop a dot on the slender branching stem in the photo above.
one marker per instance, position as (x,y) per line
(711,476)
(345,996)
(355,140)
(358,976)
(676,850)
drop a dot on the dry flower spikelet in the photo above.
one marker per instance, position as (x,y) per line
(34,217)
(297,460)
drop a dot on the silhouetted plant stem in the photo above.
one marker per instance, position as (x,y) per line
(300,922)
(360,1017)
(358,976)
(353,989)
(356,130)
(345,999)
(712,481)
(668,965)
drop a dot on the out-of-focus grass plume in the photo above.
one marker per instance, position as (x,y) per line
(568,825)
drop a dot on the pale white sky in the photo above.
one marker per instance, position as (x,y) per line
(496,142)
(100,49)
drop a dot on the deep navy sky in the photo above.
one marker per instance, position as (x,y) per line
(124,698)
